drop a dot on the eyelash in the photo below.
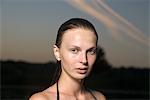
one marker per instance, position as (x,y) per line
(91,51)
(75,51)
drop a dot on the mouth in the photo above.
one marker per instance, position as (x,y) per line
(82,70)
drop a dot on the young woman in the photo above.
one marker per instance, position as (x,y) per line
(75,51)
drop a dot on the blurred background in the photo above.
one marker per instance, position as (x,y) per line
(28,32)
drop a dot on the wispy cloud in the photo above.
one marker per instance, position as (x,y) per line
(114,22)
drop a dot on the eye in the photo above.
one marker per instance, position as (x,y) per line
(75,51)
(92,51)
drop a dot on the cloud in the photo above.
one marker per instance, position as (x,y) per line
(114,22)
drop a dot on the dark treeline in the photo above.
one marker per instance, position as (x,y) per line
(26,78)
(20,79)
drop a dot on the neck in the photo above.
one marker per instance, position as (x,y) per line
(69,85)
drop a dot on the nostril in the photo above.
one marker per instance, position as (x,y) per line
(85,63)
(83,58)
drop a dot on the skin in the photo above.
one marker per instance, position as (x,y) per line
(77,54)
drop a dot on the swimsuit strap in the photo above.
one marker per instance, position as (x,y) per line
(57,91)
(92,94)
(87,89)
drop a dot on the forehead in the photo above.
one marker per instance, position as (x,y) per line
(79,37)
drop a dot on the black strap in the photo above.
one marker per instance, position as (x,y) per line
(92,94)
(87,89)
(57,91)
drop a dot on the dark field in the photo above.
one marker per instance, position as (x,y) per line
(19,80)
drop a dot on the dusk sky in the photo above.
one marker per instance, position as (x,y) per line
(29,28)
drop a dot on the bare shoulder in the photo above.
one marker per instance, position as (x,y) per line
(39,96)
(48,94)
(99,95)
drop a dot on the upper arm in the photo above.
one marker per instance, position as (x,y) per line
(38,96)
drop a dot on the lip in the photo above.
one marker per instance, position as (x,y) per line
(82,70)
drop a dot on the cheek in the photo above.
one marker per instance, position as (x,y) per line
(67,58)
(91,59)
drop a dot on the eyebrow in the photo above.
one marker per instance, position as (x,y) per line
(93,47)
(75,46)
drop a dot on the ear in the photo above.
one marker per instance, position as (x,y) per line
(56,52)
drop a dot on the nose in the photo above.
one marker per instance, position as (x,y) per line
(83,58)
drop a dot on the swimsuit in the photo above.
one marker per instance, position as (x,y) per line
(88,90)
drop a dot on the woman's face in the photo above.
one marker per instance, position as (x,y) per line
(77,52)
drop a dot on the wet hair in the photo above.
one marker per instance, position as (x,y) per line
(74,23)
